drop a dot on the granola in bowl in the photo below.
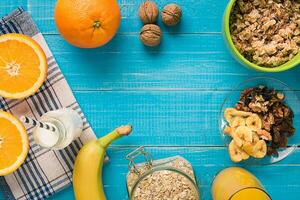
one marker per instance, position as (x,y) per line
(266,32)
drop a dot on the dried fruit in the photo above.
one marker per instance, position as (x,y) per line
(150,35)
(254,122)
(259,149)
(236,153)
(277,118)
(264,135)
(230,113)
(242,135)
(237,121)
(148,12)
(228,130)
(171,14)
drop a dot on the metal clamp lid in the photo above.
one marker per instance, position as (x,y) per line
(136,153)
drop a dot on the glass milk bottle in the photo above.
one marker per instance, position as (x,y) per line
(68,126)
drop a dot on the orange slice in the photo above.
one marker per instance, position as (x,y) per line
(23,66)
(13,143)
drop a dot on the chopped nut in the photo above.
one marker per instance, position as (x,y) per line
(258,107)
(280,96)
(264,135)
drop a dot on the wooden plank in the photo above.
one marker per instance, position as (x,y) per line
(179,63)
(159,117)
(9,5)
(278,179)
(198,16)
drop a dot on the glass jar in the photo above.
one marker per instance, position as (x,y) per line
(169,178)
(235,183)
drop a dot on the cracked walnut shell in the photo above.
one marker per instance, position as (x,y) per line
(171,14)
(148,12)
(150,35)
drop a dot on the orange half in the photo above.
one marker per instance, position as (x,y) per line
(23,66)
(13,143)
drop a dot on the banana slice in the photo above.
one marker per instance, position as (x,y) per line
(228,130)
(228,114)
(241,135)
(236,154)
(237,121)
(255,137)
(256,150)
(241,113)
(260,149)
(254,122)
(245,156)
(248,147)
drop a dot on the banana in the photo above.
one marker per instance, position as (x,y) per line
(241,135)
(255,137)
(248,147)
(228,114)
(260,149)
(241,113)
(254,122)
(228,130)
(236,153)
(87,174)
(237,121)
(256,150)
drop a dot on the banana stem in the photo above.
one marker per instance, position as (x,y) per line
(106,140)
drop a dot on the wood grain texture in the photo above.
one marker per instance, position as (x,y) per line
(172,93)
(279,179)
(182,62)
(197,17)
(187,118)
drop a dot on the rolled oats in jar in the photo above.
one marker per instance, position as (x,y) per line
(164,179)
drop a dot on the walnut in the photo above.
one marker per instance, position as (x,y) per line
(150,35)
(268,121)
(148,12)
(171,14)
(258,107)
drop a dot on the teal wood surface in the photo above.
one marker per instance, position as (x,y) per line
(171,94)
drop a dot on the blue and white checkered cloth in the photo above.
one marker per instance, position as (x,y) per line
(44,172)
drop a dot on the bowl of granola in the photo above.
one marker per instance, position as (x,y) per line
(258,121)
(263,35)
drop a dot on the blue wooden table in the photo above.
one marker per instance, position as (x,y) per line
(171,94)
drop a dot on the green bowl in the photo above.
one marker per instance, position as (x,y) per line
(240,58)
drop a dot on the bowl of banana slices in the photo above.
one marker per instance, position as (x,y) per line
(258,121)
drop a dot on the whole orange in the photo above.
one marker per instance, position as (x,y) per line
(87,23)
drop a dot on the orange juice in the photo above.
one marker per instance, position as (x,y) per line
(250,193)
(236,183)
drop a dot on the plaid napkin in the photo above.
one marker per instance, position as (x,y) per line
(44,172)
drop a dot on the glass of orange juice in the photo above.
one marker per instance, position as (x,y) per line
(235,183)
